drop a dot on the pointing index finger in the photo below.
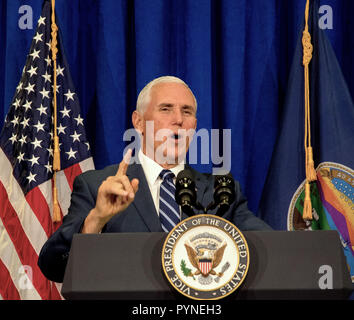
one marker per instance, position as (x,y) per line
(123,166)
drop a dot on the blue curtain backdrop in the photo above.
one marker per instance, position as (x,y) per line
(234,54)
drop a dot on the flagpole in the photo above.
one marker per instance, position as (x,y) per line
(56,154)
(309,163)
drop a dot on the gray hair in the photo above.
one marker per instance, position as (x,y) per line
(145,94)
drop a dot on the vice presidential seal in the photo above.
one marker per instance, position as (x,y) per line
(205,257)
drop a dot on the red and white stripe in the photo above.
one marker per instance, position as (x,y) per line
(205,267)
(25,225)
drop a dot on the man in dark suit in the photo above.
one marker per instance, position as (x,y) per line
(126,198)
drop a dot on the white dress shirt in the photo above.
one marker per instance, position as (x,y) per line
(152,171)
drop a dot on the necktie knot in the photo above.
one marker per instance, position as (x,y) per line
(166,175)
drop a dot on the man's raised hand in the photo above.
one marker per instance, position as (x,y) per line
(114,195)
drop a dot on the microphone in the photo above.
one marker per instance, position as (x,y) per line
(186,194)
(224,192)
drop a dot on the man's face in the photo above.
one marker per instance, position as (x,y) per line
(166,121)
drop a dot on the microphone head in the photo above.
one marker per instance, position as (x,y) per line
(186,173)
(224,191)
(186,194)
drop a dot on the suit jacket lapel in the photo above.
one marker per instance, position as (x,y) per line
(143,202)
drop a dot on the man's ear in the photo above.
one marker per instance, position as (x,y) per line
(137,120)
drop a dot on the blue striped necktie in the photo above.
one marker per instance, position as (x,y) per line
(168,209)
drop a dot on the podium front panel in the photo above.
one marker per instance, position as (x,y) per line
(283,265)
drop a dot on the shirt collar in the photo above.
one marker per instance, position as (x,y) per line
(152,169)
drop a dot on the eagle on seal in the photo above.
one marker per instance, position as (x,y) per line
(211,258)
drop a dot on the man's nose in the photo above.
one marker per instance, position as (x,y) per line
(178,117)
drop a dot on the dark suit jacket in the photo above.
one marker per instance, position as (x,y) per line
(140,216)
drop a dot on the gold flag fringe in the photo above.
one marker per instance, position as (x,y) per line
(309,163)
(56,154)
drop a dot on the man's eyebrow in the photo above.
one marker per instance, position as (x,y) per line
(186,106)
(170,105)
(165,104)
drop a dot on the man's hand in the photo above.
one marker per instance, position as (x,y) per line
(114,195)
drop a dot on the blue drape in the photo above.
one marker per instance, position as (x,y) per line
(234,54)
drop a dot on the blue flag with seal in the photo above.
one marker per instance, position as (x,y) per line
(331,111)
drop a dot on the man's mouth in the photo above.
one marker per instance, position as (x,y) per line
(176,136)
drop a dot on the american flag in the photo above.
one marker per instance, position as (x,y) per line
(26,157)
